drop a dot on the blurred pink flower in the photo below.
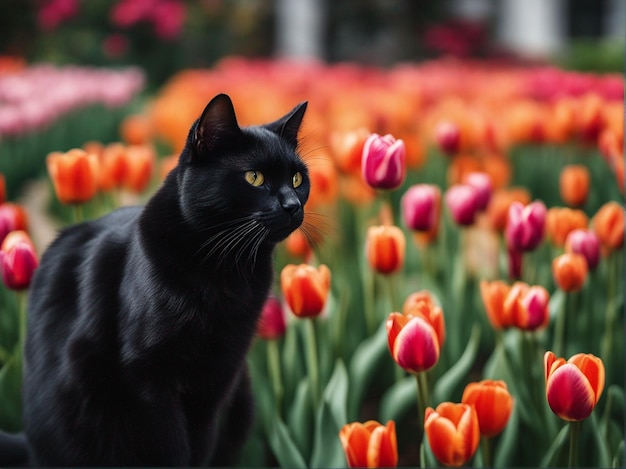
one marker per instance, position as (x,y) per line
(54,12)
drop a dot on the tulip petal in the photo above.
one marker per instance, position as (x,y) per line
(355,440)
(569,393)
(593,368)
(416,347)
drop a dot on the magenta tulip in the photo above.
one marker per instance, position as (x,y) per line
(383,162)
(420,207)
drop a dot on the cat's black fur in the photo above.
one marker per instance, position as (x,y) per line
(139,322)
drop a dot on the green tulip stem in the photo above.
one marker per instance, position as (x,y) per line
(559,327)
(273,364)
(485,450)
(422,396)
(574,430)
(312,362)
(369,301)
(21,308)
(607,341)
(78,213)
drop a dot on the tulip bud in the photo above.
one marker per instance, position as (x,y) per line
(305,288)
(420,207)
(585,243)
(272,323)
(608,224)
(383,162)
(569,271)
(574,185)
(525,226)
(448,137)
(573,388)
(385,247)
(462,201)
(74,175)
(482,183)
(18,260)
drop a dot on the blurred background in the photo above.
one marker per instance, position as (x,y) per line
(164,36)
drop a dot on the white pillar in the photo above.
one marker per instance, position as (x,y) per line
(300,28)
(533,28)
(615,20)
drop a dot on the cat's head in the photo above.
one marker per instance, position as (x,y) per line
(247,182)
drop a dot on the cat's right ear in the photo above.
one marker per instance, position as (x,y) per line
(216,125)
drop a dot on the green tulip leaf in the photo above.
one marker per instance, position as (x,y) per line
(398,399)
(300,418)
(10,395)
(602,443)
(368,357)
(452,378)
(283,447)
(557,445)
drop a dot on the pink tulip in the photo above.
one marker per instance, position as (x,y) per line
(525,226)
(272,323)
(18,260)
(586,243)
(482,183)
(383,162)
(420,207)
(462,201)
(448,137)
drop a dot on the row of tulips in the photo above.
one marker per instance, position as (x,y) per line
(462,270)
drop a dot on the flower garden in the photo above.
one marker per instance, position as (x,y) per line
(455,295)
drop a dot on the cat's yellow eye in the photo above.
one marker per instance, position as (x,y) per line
(297,179)
(255,178)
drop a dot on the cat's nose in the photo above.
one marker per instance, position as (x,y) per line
(291,205)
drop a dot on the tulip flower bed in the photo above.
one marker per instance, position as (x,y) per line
(455,295)
(44,108)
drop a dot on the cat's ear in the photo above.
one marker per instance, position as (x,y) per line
(287,126)
(217,124)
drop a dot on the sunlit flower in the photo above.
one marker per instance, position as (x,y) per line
(383,162)
(305,288)
(573,388)
(453,432)
(493,404)
(370,444)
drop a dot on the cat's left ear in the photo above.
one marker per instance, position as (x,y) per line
(287,126)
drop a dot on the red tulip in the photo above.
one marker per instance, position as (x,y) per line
(18,260)
(573,388)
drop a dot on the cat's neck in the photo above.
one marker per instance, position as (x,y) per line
(181,250)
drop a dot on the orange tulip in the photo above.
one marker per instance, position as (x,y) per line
(347,149)
(453,432)
(527,306)
(385,247)
(113,166)
(305,288)
(608,224)
(574,184)
(324,183)
(573,388)
(74,175)
(493,404)
(140,160)
(370,444)
(136,129)
(501,200)
(561,221)
(297,245)
(569,271)
(493,295)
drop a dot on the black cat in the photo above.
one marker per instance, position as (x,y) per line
(139,322)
